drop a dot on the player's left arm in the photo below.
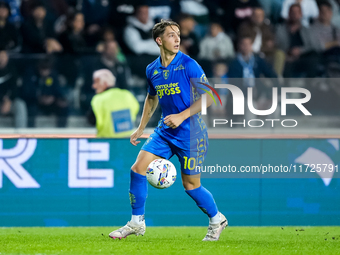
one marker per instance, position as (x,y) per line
(174,120)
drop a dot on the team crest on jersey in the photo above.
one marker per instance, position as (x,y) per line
(166,74)
(180,67)
(155,72)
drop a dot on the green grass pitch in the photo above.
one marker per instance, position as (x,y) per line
(171,240)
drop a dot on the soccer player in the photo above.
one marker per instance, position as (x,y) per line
(180,131)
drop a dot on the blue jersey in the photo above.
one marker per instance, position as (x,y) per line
(176,92)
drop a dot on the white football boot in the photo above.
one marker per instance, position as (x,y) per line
(129,229)
(214,230)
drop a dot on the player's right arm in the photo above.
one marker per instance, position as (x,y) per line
(149,108)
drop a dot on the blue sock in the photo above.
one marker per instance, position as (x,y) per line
(204,200)
(138,193)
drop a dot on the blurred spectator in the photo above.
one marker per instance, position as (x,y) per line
(200,11)
(9,37)
(163,9)
(260,32)
(327,34)
(336,12)
(75,43)
(73,40)
(74,4)
(267,6)
(96,13)
(120,10)
(138,33)
(309,10)
(220,71)
(189,41)
(275,12)
(235,12)
(38,35)
(194,7)
(107,36)
(113,110)
(15,15)
(107,60)
(220,76)
(216,45)
(54,8)
(249,66)
(263,39)
(42,93)
(9,101)
(296,41)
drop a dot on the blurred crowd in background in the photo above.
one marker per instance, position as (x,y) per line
(49,49)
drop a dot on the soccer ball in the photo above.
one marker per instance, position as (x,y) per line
(161,173)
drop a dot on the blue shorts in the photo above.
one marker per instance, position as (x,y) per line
(191,155)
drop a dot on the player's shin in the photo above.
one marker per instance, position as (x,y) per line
(138,193)
(205,202)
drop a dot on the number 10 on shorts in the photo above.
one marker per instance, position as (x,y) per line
(189,163)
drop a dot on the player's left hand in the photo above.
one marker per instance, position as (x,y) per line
(173,120)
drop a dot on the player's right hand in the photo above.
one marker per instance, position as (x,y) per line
(135,136)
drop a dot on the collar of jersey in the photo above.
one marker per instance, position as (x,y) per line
(173,62)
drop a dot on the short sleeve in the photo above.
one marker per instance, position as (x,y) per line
(197,76)
(151,89)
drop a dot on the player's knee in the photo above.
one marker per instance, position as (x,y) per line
(135,167)
(138,168)
(191,184)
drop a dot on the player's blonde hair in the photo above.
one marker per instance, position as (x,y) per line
(105,75)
